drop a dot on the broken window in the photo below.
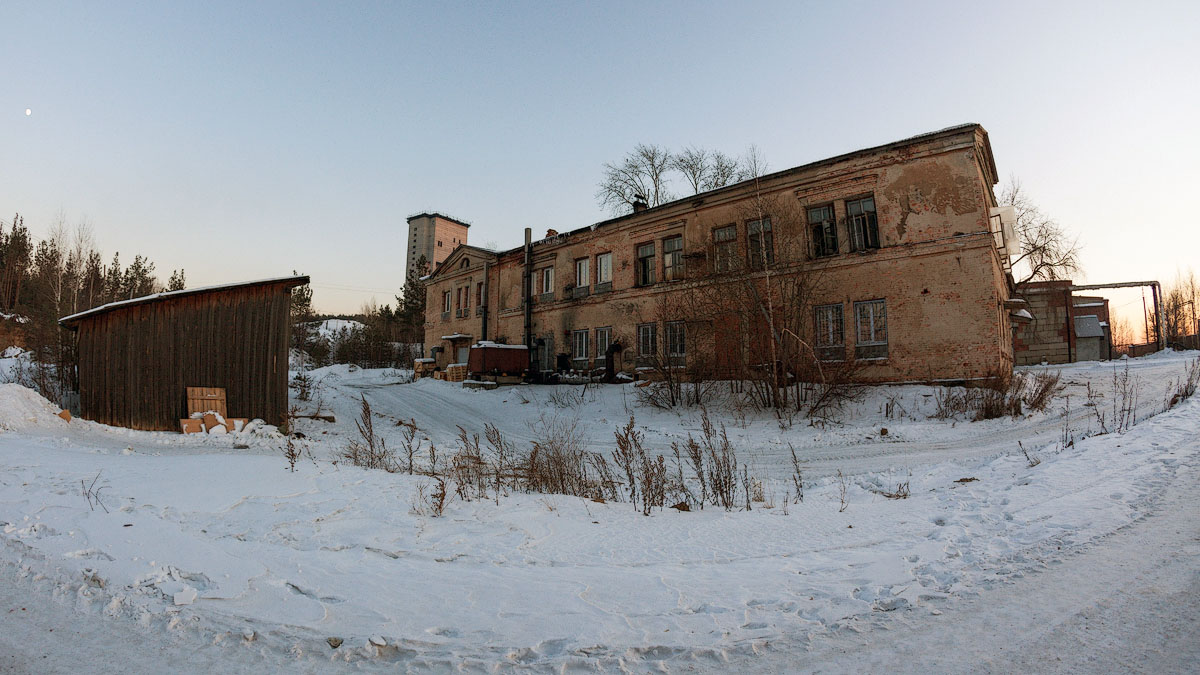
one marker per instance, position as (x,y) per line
(645,264)
(579,346)
(871,320)
(860,218)
(676,346)
(761,243)
(831,341)
(647,338)
(824,230)
(673,258)
(724,248)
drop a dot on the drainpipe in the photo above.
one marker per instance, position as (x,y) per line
(1160,342)
(527,293)
(1070,325)
(487,268)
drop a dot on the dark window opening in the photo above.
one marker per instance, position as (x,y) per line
(761,242)
(824,231)
(860,219)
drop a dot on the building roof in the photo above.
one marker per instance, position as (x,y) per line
(435,214)
(957,129)
(73,320)
(1088,327)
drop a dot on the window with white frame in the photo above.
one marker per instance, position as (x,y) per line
(604,268)
(583,277)
(676,345)
(603,340)
(579,345)
(871,340)
(831,337)
(548,280)
(647,340)
(446,302)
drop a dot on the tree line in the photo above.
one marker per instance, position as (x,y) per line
(43,280)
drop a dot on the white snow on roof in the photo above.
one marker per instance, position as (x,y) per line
(1023,313)
(488,344)
(1089,304)
(171,294)
(456,336)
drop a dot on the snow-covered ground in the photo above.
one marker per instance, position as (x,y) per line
(209,546)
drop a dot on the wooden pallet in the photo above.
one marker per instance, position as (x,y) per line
(204,399)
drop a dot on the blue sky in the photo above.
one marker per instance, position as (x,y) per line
(244,140)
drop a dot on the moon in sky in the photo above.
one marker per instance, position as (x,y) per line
(28,112)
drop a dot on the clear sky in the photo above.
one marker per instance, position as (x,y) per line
(244,140)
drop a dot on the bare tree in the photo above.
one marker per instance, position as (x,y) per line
(707,170)
(1121,331)
(1179,307)
(642,173)
(1047,250)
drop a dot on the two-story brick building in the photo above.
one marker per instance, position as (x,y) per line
(902,248)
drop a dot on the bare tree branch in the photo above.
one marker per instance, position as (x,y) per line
(1047,251)
(642,172)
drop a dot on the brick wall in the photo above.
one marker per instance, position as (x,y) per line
(936,268)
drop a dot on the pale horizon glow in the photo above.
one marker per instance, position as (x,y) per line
(241,141)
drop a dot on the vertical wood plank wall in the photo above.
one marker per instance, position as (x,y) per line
(136,362)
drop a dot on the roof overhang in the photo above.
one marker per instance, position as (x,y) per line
(72,322)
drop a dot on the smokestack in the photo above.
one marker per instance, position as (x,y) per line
(639,203)
(551,232)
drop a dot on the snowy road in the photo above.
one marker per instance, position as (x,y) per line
(990,565)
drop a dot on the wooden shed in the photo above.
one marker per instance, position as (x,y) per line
(137,357)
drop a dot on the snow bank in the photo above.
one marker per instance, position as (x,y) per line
(22,408)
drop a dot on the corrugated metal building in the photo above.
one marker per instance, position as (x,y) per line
(137,357)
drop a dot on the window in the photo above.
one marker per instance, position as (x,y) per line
(676,347)
(673,258)
(548,281)
(579,345)
(860,217)
(582,274)
(604,269)
(479,294)
(824,230)
(871,320)
(724,248)
(761,242)
(439,244)
(464,264)
(647,338)
(445,304)
(603,340)
(831,341)
(645,264)
(458,293)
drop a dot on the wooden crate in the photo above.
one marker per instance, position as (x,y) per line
(204,399)
(456,373)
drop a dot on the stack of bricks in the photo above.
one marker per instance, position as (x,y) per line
(456,372)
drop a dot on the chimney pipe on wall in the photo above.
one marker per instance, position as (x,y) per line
(640,203)
(527,293)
